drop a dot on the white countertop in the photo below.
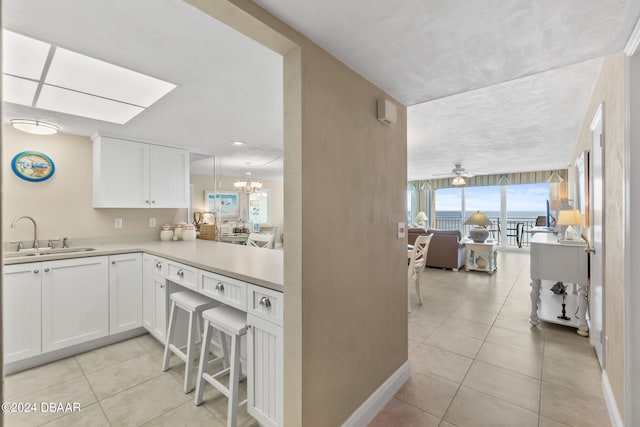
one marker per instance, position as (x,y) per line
(262,267)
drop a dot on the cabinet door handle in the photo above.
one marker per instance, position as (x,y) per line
(265,301)
(46,270)
(161,286)
(113,263)
(180,273)
(153,201)
(159,265)
(220,287)
(36,271)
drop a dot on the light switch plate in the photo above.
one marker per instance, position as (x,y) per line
(117,222)
(152,222)
(401,230)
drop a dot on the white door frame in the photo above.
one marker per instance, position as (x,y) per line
(631,244)
(597,326)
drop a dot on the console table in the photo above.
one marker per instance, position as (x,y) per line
(556,261)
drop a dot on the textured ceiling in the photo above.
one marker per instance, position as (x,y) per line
(489,83)
(521,125)
(421,50)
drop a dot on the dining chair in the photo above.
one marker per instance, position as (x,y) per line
(417,264)
(261,240)
(268,229)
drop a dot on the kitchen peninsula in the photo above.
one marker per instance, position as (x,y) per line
(70,302)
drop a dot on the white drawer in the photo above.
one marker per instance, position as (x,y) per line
(266,303)
(181,274)
(224,289)
(156,265)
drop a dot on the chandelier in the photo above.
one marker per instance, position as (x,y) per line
(248,185)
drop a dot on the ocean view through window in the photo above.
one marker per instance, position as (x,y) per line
(522,204)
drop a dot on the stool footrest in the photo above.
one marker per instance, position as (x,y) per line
(213,380)
(178,351)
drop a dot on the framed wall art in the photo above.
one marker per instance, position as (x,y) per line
(225,202)
(33,166)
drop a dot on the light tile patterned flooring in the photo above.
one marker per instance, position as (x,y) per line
(476,361)
(119,385)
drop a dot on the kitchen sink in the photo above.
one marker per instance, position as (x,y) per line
(18,254)
(64,250)
(45,251)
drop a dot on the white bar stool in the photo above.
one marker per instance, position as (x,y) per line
(194,304)
(233,323)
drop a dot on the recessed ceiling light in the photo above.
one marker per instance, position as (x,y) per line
(238,143)
(35,127)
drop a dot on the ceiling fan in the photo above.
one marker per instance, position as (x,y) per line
(458,173)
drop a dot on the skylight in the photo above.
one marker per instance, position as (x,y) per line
(84,74)
(23,56)
(17,90)
(80,104)
(73,83)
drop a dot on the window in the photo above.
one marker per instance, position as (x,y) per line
(448,208)
(483,199)
(259,207)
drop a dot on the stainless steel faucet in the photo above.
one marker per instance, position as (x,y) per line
(35,229)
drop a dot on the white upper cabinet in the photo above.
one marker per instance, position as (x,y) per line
(128,174)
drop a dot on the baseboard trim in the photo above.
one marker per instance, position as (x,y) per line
(52,356)
(374,403)
(610,400)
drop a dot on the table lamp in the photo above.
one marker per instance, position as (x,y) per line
(479,233)
(421,219)
(570,217)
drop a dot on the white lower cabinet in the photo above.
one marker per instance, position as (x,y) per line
(125,292)
(75,301)
(21,326)
(154,297)
(265,347)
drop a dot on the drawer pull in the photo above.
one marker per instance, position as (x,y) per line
(265,301)
(180,273)
(220,287)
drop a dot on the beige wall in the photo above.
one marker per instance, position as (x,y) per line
(345,190)
(610,90)
(202,183)
(62,205)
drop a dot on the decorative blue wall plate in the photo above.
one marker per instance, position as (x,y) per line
(33,166)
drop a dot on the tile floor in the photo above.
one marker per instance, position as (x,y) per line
(119,385)
(476,361)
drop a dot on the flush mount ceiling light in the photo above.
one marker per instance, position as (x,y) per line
(73,83)
(35,127)
(238,143)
